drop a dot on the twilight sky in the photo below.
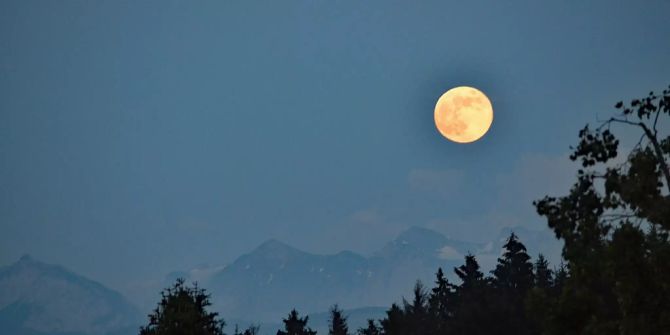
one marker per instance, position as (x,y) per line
(137,138)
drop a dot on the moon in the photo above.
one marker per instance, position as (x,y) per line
(463,114)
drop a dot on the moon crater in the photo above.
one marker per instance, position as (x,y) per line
(463,114)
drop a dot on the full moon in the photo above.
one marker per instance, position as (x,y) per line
(463,114)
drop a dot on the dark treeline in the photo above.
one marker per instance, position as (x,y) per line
(614,278)
(497,304)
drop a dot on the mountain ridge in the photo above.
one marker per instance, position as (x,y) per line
(41,298)
(263,284)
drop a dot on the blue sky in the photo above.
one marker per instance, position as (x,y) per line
(137,138)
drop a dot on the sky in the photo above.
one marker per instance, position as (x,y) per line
(139,138)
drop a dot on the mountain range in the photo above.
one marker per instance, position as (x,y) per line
(259,287)
(275,277)
(40,299)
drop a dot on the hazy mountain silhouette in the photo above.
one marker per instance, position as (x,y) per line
(39,299)
(275,277)
(258,287)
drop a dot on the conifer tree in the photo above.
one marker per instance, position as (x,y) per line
(514,270)
(395,322)
(543,275)
(540,299)
(513,278)
(371,329)
(338,322)
(183,311)
(440,303)
(294,325)
(559,279)
(416,312)
(252,330)
(469,273)
(473,313)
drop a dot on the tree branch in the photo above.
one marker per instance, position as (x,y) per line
(659,154)
(654,142)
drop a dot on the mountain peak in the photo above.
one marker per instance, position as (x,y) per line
(42,294)
(26,258)
(419,235)
(274,244)
(273,248)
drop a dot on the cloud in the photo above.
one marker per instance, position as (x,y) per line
(368,216)
(536,175)
(441,181)
(450,254)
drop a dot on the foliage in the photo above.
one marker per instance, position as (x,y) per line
(371,329)
(294,325)
(182,311)
(338,322)
(614,223)
(252,330)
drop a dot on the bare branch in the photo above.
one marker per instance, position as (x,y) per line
(655,121)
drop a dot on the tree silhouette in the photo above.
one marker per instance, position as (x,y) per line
(440,303)
(416,312)
(474,306)
(252,330)
(469,274)
(395,322)
(294,325)
(514,272)
(614,222)
(371,329)
(513,277)
(338,322)
(182,311)
(543,275)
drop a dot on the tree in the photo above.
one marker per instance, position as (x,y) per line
(182,311)
(513,277)
(440,303)
(252,330)
(541,297)
(614,222)
(294,325)
(560,277)
(469,273)
(474,311)
(371,329)
(416,312)
(395,321)
(543,275)
(514,271)
(412,318)
(338,322)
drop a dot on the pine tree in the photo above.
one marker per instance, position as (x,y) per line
(514,270)
(473,314)
(513,278)
(559,279)
(416,312)
(395,322)
(543,275)
(252,330)
(181,311)
(294,325)
(469,273)
(371,329)
(338,322)
(539,301)
(440,303)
